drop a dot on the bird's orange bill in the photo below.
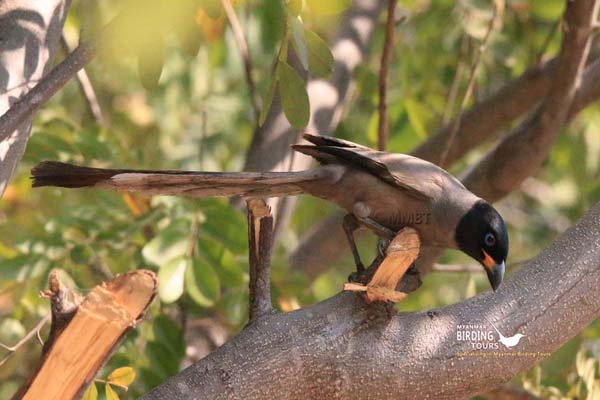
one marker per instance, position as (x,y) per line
(488,261)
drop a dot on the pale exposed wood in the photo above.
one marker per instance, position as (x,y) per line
(401,253)
(97,327)
(260,243)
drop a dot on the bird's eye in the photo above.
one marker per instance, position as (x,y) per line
(490,239)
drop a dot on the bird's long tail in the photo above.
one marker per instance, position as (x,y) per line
(181,183)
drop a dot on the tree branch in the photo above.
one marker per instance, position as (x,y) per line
(471,83)
(383,126)
(30,31)
(344,348)
(238,34)
(521,153)
(260,243)
(26,106)
(85,86)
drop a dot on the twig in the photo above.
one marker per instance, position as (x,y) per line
(85,85)
(193,237)
(382,131)
(126,388)
(34,332)
(460,66)
(260,242)
(45,89)
(238,34)
(471,83)
(547,41)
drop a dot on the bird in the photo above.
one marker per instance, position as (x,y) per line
(508,342)
(382,191)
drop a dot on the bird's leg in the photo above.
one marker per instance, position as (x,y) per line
(382,245)
(351,224)
(377,228)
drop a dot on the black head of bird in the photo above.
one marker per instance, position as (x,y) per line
(481,234)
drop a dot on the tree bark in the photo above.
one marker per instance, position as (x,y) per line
(30,31)
(344,348)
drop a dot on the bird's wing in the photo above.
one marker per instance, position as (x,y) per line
(418,178)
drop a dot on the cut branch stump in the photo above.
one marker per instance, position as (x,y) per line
(400,254)
(88,336)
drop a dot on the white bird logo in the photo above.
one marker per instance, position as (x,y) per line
(508,342)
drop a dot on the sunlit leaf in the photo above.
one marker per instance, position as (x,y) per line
(150,63)
(123,376)
(171,242)
(171,278)
(294,98)
(267,101)
(91,393)
(416,114)
(294,7)
(202,283)
(110,393)
(328,7)
(299,41)
(320,59)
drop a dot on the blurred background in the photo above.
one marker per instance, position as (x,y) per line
(200,116)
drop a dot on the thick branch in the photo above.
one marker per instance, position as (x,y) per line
(260,243)
(521,153)
(29,33)
(343,348)
(85,340)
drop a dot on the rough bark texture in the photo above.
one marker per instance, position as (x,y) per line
(30,31)
(343,348)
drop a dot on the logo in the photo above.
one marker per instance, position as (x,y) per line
(482,337)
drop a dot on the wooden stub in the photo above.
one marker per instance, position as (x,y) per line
(400,254)
(87,341)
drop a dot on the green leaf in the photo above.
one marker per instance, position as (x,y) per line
(123,376)
(202,283)
(91,393)
(150,63)
(299,42)
(171,242)
(211,7)
(320,59)
(294,7)
(81,254)
(170,279)
(294,99)
(168,333)
(110,393)
(161,359)
(267,101)
(415,114)
(328,7)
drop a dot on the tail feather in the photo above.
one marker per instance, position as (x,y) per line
(54,173)
(182,183)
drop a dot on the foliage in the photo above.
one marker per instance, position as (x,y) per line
(179,101)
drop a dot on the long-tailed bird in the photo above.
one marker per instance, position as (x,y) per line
(382,191)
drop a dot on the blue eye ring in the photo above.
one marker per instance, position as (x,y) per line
(489,239)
